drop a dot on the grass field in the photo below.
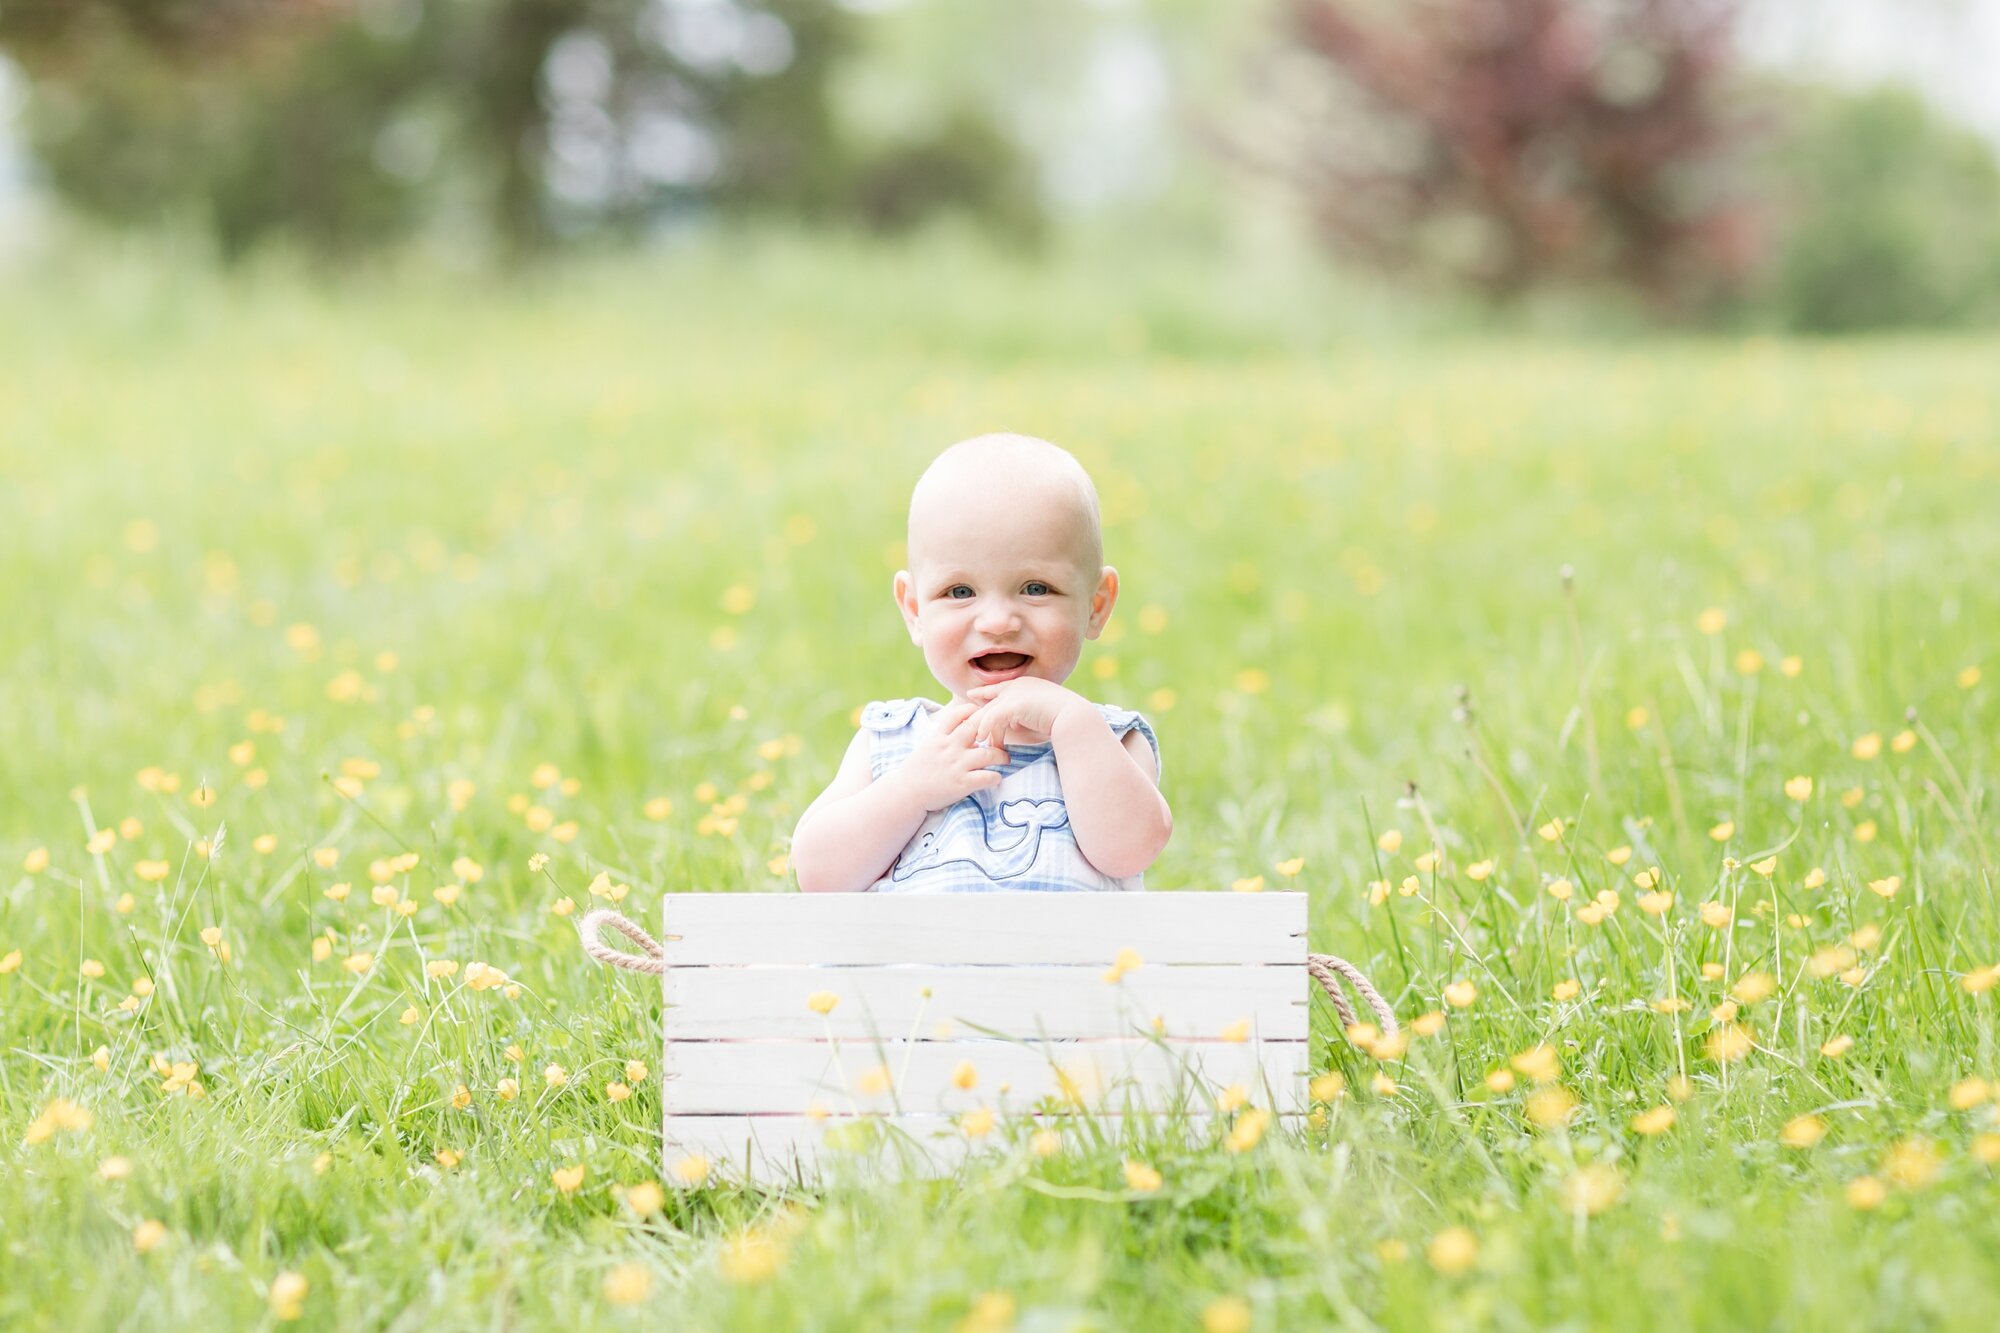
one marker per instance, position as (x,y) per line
(596,567)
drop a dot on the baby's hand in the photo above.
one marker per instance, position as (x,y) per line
(1023,711)
(947,766)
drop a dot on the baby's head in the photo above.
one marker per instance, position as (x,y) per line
(1006,563)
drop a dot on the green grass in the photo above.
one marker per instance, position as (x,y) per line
(536,496)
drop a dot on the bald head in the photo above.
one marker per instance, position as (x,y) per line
(991,478)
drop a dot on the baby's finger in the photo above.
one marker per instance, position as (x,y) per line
(956,716)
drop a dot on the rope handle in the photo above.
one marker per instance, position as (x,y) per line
(1325,969)
(653,959)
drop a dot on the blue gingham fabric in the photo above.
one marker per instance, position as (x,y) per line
(1013,837)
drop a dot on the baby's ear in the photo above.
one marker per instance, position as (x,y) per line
(905,591)
(1102,601)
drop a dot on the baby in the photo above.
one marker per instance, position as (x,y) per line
(1017,783)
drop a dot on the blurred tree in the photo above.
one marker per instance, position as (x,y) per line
(346,123)
(1508,143)
(1887,215)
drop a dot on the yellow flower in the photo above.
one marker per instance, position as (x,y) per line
(1976,982)
(1754,986)
(1391,841)
(1550,1107)
(482,976)
(1410,887)
(1766,866)
(60,1116)
(1253,680)
(1247,1131)
(965,1075)
(1328,1086)
(748,1258)
(1226,1314)
(1852,797)
(1749,662)
(628,1283)
(1835,1047)
(1461,994)
(563,906)
(976,1123)
(691,1170)
(1968,1093)
(647,1198)
(1792,665)
(1140,1178)
(1427,1025)
(568,1178)
(1904,741)
(1868,746)
(1538,1063)
(1561,889)
(410,1017)
(36,861)
(1551,831)
(874,1081)
(1045,1143)
(1887,887)
(1802,1131)
(1453,1251)
(1253,884)
(147,1236)
(1618,856)
(555,1075)
(1592,914)
(1658,1120)
(101,841)
(114,1168)
(91,968)
(326,857)
(635,1071)
(616,1091)
(1656,903)
(1866,1193)
(1799,788)
(1729,1042)
(1724,831)
(1649,878)
(1637,716)
(358,963)
(1815,878)
(1479,870)
(1986,1148)
(508,1089)
(1291,867)
(1591,1190)
(1716,915)
(1239,1031)
(1231,1097)
(448,1158)
(1567,990)
(461,1098)
(1500,1081)
(822,1001)
(1429,861)
(101,1057)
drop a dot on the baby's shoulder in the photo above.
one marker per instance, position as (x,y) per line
(887,715)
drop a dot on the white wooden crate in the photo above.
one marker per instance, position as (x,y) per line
(1017,994)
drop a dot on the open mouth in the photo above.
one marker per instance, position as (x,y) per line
(996,665)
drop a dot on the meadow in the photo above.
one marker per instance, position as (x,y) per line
(1626,706)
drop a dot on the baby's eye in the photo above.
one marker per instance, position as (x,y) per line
(956,589)
(1038,589)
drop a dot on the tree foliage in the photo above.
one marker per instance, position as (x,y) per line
(1508,144)
(346,123)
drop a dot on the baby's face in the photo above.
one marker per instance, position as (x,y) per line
(1001,591)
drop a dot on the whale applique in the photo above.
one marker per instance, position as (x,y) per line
(1007,859)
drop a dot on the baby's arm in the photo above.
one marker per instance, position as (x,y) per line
(1120,820)
(851,834)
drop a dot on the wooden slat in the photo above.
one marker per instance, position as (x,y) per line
(730,1077)
(771,1147)
(1021,1001)
(706,929)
